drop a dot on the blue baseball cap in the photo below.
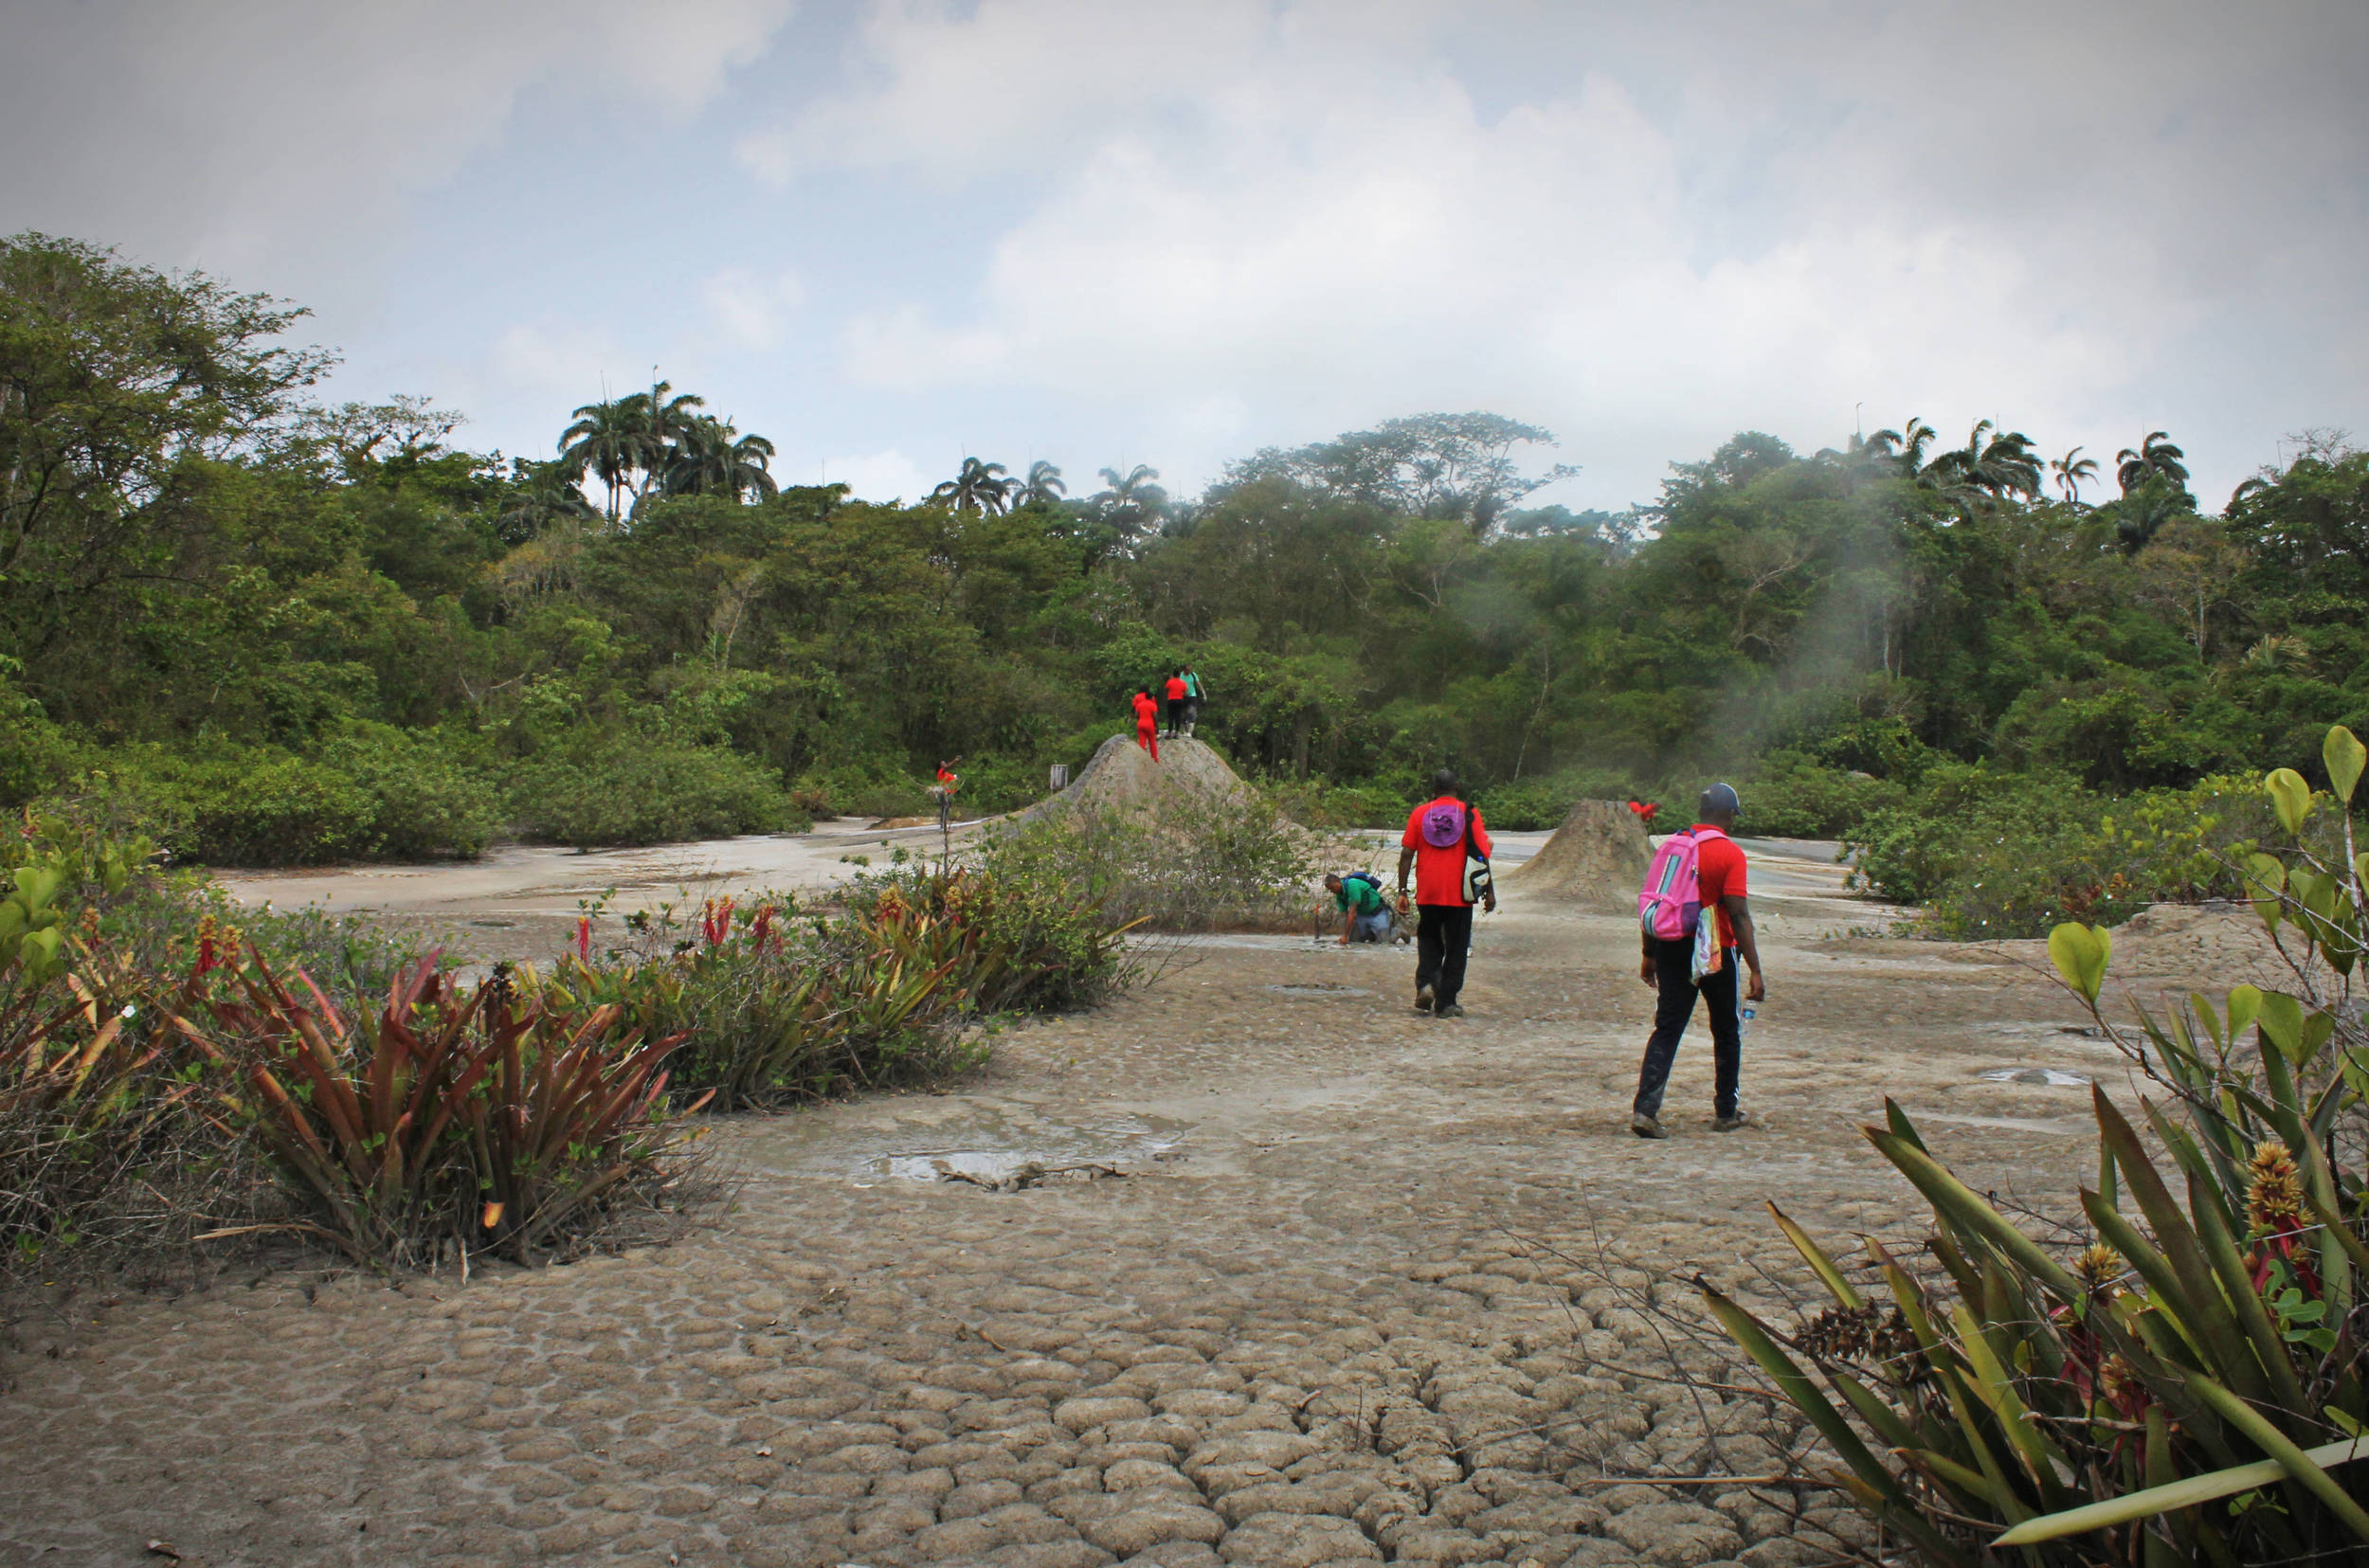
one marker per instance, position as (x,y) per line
(1720,797)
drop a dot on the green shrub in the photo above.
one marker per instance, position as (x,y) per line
(623,788)
(36,758)
(425,802)
(870,789)
(244,806)
(1994,853)
(1983,849)
(2186,1387)
(1540,805)
(885,991)
(1316,803)
(1790,797)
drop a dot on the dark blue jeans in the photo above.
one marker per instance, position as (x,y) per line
(1671,963)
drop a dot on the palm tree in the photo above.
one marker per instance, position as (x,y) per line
(604,440)
(1912,445)
(2154,457)
(1997,464)
(2071,470)
(984,487)
(2142,513)
(633,435)
(659,425)
(1043,486)
(1133,501)
(712,456)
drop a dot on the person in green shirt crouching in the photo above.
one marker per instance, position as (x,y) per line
(1365,913)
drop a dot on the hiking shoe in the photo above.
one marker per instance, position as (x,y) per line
(1734,1119)
(1423,999)
(1644,1126)
(1448,1010)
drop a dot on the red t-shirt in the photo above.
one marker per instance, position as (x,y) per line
(1147,713)
(1718,873)
(1439,872)
(1176,688)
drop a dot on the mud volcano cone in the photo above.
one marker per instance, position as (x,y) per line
(1595,858)
(1123,775)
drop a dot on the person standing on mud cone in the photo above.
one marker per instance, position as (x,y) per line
(1176,704)
(1148,721)
(1192,699)
(1696,922)
(1441,835)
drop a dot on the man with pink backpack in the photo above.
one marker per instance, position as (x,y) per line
(1695,923)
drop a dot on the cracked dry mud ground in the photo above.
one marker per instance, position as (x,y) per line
(1350,1313)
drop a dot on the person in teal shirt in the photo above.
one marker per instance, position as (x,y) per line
(1192,698)
(1365,913)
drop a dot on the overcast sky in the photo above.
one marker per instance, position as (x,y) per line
(1118,231)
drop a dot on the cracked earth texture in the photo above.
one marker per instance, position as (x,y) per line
(1347,1304)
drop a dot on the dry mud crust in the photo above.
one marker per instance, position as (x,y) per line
(1347,1304)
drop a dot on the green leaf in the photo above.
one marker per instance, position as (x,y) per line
(2298,1466)
(2268,876)
(1819,1263)
(2282,1025)
(2202,1006)
(1781,1369)
(2291,797)
(2245,1005)
(2185,1493)
(2080,954)
(1959,1205)
(2344,754)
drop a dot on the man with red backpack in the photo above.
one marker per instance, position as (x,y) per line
(1449,850)
(1695,923)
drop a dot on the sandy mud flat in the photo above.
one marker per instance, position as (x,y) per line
(1364,1289)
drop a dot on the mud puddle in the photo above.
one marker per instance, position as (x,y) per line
(985,1142)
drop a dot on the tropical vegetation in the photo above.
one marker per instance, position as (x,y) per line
(278,630)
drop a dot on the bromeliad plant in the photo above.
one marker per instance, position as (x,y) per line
(2189,1386)
(888,989)
(490,1121)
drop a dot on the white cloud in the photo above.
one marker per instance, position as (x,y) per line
(230,133)
(1734,216)
(752,309)
(885,476)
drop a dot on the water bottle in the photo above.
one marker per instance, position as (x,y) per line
(1745,1021)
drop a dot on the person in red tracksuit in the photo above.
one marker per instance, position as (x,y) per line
(1148,721)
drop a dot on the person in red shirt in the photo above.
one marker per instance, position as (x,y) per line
(1434,846)
(1644,810)
(1668,967)
(1176,693)
(1148,721)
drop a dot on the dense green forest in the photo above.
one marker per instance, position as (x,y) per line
(276,630)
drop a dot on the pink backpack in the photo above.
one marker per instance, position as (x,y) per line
(1669,905)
